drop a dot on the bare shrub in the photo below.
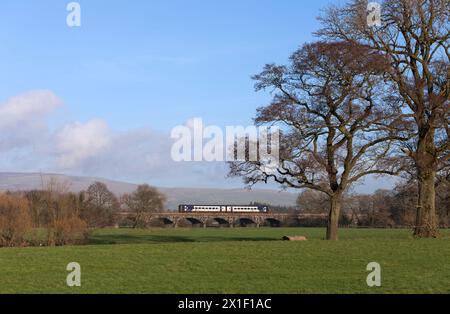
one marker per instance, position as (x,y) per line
(61,215)
(15,220)
(68,230)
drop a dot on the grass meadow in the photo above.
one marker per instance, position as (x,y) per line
(239,260)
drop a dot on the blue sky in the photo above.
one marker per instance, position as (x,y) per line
(154,63)
(137,68)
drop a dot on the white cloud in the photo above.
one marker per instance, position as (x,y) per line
(28,143)
(24,128)
(78,142)
(27,108)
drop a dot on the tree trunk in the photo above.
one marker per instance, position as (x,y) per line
(426,221)
(426,163)
(333,217)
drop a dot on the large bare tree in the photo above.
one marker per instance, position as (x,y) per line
(415,36)
(337,126)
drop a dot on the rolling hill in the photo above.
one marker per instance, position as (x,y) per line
(28,181)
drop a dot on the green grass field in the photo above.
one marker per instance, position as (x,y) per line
(232,261)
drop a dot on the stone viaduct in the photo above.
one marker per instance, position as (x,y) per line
(231,220)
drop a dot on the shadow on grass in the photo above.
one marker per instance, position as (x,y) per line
(142,239)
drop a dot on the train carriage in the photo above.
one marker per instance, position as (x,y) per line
(223,209)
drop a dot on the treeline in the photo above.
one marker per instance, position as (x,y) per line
(383,209)
(55,216)
(276,208)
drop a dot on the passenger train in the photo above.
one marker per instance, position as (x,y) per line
(223,209)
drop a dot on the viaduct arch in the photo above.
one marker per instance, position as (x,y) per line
(230,220)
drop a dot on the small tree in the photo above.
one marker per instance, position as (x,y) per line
(144,200)
(99,205)
(336,126)
(37,207)
(61,214)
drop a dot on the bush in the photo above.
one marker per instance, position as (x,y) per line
(67,230)
(23,217)
(15,220)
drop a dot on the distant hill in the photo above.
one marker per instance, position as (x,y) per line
(175,196)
